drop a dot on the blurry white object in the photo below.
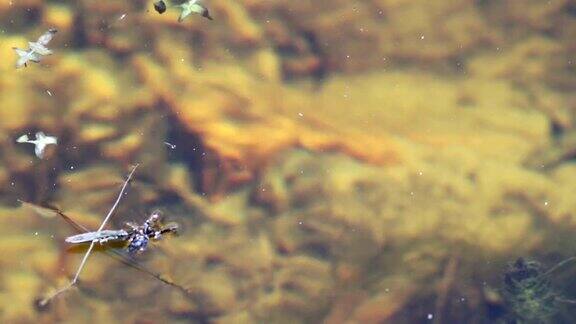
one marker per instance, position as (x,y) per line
(193,6)
(36,49)
(41,141)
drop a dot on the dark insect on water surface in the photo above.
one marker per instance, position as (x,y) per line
(136,236)
(160,6)
(529,293)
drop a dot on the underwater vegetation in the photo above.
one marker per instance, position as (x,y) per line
(530,294)
(375,161)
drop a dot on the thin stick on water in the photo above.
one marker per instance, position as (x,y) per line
(559,265)
(73,282)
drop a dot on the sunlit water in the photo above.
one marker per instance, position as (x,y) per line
(325,161)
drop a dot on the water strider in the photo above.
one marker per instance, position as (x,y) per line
(135,236)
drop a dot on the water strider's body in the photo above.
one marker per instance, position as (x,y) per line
(136,235)
(101,237)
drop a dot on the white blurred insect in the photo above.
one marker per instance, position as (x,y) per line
(187,8)
(193,6)
(41,141)
(36,49)
(170,145)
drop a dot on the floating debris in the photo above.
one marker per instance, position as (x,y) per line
(42,140)
(193,6)
(36,49)
(170,145)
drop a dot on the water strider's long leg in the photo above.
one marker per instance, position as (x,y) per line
(121,258)
(73,282)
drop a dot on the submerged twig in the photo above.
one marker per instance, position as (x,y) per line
(444,289)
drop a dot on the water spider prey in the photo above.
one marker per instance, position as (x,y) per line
(42,140)
(36,50)
(193,7)
(136,236)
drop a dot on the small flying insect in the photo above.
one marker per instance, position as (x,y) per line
(136,238)
(36,49)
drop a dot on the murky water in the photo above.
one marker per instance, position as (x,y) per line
(372,161)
